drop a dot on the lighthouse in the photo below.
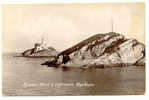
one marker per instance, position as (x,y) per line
(43,43)
(40,46)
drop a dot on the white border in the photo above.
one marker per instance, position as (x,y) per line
(65,1)
(77,97)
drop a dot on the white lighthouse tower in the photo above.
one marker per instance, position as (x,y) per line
(43,43)
(40,46)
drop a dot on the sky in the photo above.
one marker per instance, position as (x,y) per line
(63,25)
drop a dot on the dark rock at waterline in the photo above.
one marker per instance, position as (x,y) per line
(110,49)
(51,63)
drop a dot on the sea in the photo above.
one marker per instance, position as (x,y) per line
(23,76)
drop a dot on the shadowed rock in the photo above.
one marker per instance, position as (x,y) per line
(110,49)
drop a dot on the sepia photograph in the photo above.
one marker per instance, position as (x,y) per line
(73,49)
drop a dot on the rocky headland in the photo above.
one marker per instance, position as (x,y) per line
(102,50)
(33,53)
(40,50)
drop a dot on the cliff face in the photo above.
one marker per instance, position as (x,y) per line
(108,49)
(42,53)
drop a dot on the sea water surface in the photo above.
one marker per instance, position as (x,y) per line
(27,77)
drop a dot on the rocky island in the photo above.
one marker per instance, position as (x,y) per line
(102,50)
(40,50)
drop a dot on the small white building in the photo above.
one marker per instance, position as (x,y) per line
(40,46)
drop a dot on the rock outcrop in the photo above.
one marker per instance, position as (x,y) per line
(49,52)
(110,49)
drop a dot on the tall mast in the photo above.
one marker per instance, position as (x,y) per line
(111,24)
